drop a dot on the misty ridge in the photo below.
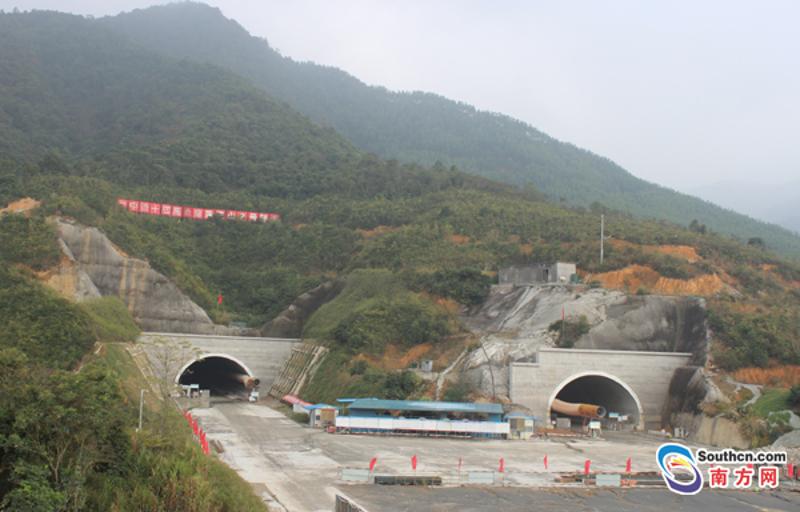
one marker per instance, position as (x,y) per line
(427,128)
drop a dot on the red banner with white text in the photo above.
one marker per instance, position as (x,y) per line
(193,212)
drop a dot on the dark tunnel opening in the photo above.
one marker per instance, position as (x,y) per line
(220,375)
(602,391)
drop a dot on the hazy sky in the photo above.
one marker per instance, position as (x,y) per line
(682,93)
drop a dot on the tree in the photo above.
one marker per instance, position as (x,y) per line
(166,358)
(794,396)
(56,429)
(756,241)
(697,227)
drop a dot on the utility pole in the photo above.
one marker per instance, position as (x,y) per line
(602,235)
(141,408)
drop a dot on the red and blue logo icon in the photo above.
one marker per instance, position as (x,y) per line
(679,469)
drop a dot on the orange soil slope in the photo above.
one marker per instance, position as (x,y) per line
(681,252)
(24,206)
(786,376)
(636,277)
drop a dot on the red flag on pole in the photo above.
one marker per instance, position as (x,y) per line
(790,469)
(628,465)
(502,467)
(372,463)
(414,462)
(545,462)
(586,466)
(219,299)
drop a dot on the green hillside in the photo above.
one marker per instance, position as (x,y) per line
(86,116)
(426,128)
(183,132)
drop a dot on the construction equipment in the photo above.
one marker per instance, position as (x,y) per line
(583,410)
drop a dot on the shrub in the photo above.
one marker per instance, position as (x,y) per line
(794,396)
(358,367)
(467,286)
(47,328)
(569,331)
(408,321)
(111,320)
(459,391)
(28,241)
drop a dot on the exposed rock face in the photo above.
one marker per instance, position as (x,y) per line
(689,388)
(717,431)
(289,324)
(513,324)
(153,300)
(69,279)
(652,323)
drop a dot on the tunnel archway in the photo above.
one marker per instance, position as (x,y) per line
(603,389)
(220,373)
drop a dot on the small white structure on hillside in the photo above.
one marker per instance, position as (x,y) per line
(538,273)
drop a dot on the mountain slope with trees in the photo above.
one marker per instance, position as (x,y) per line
(426,128)
(190,133)
(100,117)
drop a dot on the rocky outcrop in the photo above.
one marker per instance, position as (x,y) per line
(716,431)
(514,322)
(69,279)
(289,323)
(98,268)
(652,323)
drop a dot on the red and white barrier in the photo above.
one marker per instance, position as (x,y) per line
(192,212)
(198,431)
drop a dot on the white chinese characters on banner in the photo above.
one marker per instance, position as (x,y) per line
(191,212)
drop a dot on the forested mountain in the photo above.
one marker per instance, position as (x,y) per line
(425,128)
(87,116)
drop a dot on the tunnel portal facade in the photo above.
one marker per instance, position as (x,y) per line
(218,363)
(632,383)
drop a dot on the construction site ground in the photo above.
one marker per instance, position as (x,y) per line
(401,499)
(298,468)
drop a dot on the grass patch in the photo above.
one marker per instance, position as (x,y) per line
(333,379)
(364,289)
(111,319)
(772,399)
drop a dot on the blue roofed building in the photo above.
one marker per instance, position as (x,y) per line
(420,417)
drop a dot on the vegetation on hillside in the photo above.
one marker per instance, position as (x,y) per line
(426,128)
(86,116)
(66,429)
(374,309)
(110,319)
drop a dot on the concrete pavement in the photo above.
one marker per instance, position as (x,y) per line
(300,466)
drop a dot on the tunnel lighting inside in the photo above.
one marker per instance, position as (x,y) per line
(599,390)
(221,375)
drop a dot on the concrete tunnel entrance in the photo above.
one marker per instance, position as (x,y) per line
(222,375)
(611,394)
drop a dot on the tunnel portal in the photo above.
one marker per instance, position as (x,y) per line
(603,391)
(220,374)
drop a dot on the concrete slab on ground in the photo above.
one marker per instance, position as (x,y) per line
(301,466)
